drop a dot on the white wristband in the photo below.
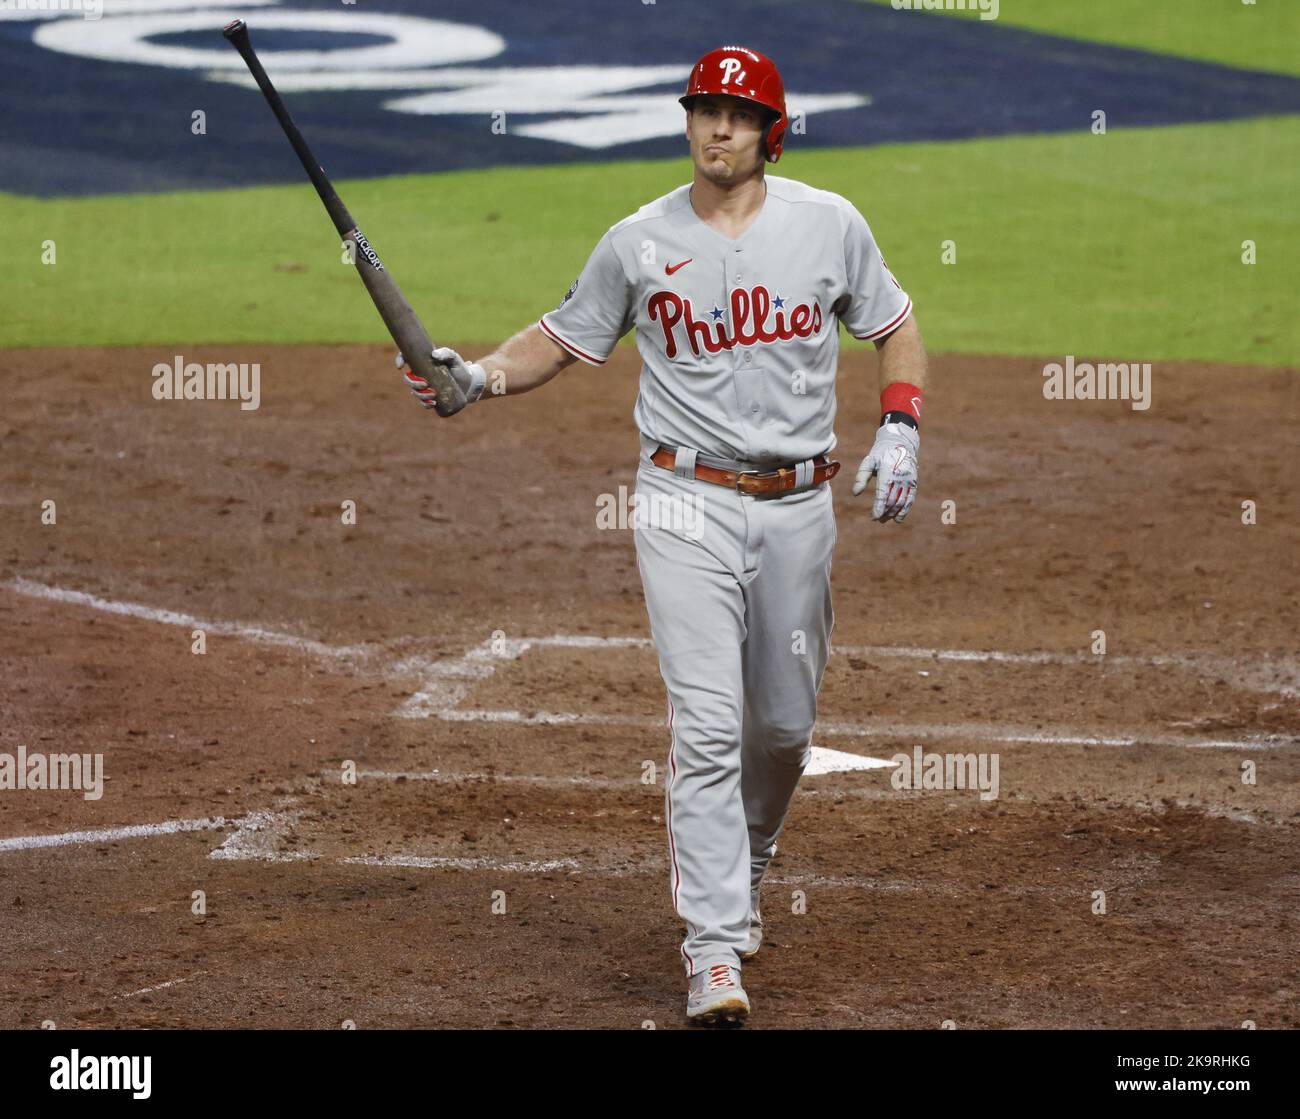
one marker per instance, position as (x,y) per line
(477,381)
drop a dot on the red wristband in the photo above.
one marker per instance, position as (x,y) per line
(901,397)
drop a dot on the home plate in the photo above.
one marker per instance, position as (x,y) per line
(836,761)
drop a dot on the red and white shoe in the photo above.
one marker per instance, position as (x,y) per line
(716,997)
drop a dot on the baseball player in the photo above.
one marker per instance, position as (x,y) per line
(737,284)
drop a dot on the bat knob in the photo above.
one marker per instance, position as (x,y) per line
(233,28)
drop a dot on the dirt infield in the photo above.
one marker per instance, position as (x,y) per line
(502,733)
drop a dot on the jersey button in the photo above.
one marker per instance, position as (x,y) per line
(749,357)
(753,407)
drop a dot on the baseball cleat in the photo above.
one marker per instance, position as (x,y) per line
(716,997)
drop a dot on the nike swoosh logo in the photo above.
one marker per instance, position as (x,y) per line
(669,269)
(916,403)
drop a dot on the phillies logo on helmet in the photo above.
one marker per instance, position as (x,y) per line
(732,68)
(750,311)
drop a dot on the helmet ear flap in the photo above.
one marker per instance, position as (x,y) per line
(773,138)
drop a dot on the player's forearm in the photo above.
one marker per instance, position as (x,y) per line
(527,361)
(902,356)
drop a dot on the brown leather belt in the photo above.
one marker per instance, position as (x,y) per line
(752,481)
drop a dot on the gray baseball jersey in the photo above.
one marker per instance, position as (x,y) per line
(739,339)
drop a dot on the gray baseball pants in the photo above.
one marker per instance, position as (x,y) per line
(738,593)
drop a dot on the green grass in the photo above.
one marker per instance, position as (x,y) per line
(1124,245)
(1259,36)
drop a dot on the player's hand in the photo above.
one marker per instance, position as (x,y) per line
(469,376)
(893,461)
(424,392)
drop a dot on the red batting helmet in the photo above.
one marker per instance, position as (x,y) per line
(742,72)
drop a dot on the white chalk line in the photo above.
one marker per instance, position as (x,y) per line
(979,732)
(455,677)
(481,662)
(257,835)
(542,866)
(109,835)
(992,656)
(161,986)
(258,634)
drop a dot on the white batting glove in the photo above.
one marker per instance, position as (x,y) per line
(468,375)
(893,461)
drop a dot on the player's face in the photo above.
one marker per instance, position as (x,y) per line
(726,135)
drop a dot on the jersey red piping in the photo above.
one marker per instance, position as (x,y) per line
(896,321)
(546,327)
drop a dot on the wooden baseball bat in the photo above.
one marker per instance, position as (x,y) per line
(402,322)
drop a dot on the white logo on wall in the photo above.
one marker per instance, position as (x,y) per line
(598,106)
